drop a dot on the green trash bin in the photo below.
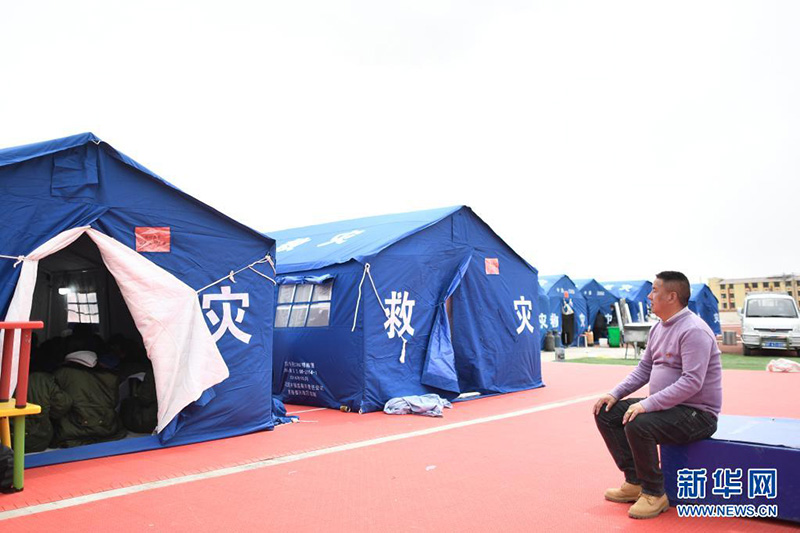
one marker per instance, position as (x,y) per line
(613,336)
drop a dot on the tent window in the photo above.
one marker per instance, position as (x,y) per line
(304,305)
(82,308)
(297,319)
(319,314)
(322,293)
(302,293)
(286,294)
(282,316)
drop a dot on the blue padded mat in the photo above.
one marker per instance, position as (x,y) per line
(759,430)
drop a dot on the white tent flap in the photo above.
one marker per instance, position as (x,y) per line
(166,311)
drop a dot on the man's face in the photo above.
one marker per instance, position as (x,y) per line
(661,299)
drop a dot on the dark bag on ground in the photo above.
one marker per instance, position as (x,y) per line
(6,469)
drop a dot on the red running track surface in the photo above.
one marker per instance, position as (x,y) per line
(544,470)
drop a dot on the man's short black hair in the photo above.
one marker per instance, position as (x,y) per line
(680,284)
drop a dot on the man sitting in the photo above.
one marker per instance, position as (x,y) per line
(95,394)
(682,366)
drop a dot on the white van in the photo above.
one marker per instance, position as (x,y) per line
(770,321)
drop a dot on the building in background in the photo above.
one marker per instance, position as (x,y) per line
(731,292)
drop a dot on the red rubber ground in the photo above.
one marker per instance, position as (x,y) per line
(543,471)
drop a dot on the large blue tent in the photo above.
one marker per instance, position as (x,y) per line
(555,286)
(635,293)
(191,282)
(381,307)
(705,305)
(599,300)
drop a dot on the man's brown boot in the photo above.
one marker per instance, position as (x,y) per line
(648,506)
(627,493)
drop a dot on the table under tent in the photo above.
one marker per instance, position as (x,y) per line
(124,268)
(600,305)
(570,329)
(397,305)
(635,294)
(704,304)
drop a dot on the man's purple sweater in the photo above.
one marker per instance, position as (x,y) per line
(682,365)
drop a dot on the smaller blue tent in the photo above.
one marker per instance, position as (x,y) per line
(555,286)
(704,304)
(635,292)
(425,302)
(544,313)
(599,300)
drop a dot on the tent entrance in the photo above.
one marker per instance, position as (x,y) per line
(440,368)
(448,306)
(74,289)
(83,310)
(600,326)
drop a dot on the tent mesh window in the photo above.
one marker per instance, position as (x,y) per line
(304,305)
(81,307)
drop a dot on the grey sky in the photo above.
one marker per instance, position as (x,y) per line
(600,139)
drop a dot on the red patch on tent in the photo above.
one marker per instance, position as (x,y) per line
(492,265)
(152,240)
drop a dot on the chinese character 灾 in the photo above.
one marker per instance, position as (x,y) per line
(523,309)
(228,322)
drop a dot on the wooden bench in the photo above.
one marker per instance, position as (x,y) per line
(16,408)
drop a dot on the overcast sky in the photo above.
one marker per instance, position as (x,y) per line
(599,139)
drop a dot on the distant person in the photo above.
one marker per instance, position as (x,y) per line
(613,323)
(87,334)
(567,320)
(95,395)
(131,355)
(682,366)
(600,327)
(49,355)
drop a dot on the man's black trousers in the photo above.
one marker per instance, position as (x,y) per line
(634,445)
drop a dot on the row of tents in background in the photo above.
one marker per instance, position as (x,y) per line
(594,305)
(344,315)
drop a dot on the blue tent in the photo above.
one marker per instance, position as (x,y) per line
(705,305)
(598,299)
(425,302)
(162,267)
(635,293)
(555,286)
(544,313)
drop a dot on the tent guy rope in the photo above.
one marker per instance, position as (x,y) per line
(267,259)
(380,302)
(18,258)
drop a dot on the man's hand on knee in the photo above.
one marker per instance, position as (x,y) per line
(633,411)
(606,400)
